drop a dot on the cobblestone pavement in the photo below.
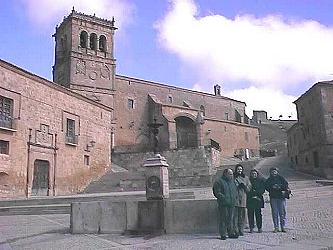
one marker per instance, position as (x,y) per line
(309,213)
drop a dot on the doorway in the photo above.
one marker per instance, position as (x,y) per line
(40,184)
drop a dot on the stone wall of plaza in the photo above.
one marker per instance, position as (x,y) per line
(187,167)
(310,140)
(221,119)
(38,132)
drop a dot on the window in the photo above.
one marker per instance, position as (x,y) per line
(170,99)
(102,43)
(226,116)
(6,112)
(83,39)
(70,133)
(93,41)
(4,147)
(130,104)
(86,160)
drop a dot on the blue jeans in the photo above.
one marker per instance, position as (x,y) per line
(278,207)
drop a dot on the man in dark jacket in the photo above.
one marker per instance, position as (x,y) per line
(255,200)
(225,191)
(277,186)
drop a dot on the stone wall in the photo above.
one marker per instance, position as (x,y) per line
(163,216)
(193,167)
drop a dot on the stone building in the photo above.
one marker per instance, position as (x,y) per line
(310,140)
(85,63)
(56,137)
(52,140)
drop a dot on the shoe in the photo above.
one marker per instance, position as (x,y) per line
(259,230)
(275,230)
(223,238)
(233,236)
(251,230)
(283,230)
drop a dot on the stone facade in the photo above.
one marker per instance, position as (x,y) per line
(189,118)
(310,140)
(40,155)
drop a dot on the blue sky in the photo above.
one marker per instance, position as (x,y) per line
(266,53)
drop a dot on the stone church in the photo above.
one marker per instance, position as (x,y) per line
(56,137)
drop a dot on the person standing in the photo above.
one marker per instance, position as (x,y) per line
(224,189)
(255,200)
(278,189)
(243,187)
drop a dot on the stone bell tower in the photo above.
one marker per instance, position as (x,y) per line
(84,59)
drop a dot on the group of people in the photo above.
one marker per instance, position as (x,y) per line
(236,194)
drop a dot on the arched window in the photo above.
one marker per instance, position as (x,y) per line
(83,39)
(102,43)
(202,109)
(93,41)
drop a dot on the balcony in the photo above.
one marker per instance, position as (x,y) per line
(71,140)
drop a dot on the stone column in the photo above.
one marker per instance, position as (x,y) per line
(172,135)
(157,178)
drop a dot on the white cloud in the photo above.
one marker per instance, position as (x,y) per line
(275,102)
(46,13)
(266,53)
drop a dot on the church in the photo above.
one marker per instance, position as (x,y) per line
(58,136)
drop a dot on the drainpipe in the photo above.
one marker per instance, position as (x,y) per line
(28,163)
(55,165)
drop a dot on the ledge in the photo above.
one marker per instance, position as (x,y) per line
(8,129)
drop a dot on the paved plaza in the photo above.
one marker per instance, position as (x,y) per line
(309,212)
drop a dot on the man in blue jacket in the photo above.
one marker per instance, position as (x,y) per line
(225,191)
(277,186)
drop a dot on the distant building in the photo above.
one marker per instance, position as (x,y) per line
(259,116)
(310,140)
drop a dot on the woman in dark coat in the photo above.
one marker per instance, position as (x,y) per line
(255,200)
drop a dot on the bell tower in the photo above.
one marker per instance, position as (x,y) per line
(84,59)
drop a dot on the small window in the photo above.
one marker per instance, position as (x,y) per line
(130,104)
(70,132)
(4,147)
(6,112)
(93,41)
(86,160)
(170,99)
(246,136)
(102,43)
(226,116)
(83,39)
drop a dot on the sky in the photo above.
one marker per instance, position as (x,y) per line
(265,53)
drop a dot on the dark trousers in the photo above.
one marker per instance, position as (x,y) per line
(240,213)
(226,221)
(251,212)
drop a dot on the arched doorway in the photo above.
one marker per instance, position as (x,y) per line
(40,184)
(186,132)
